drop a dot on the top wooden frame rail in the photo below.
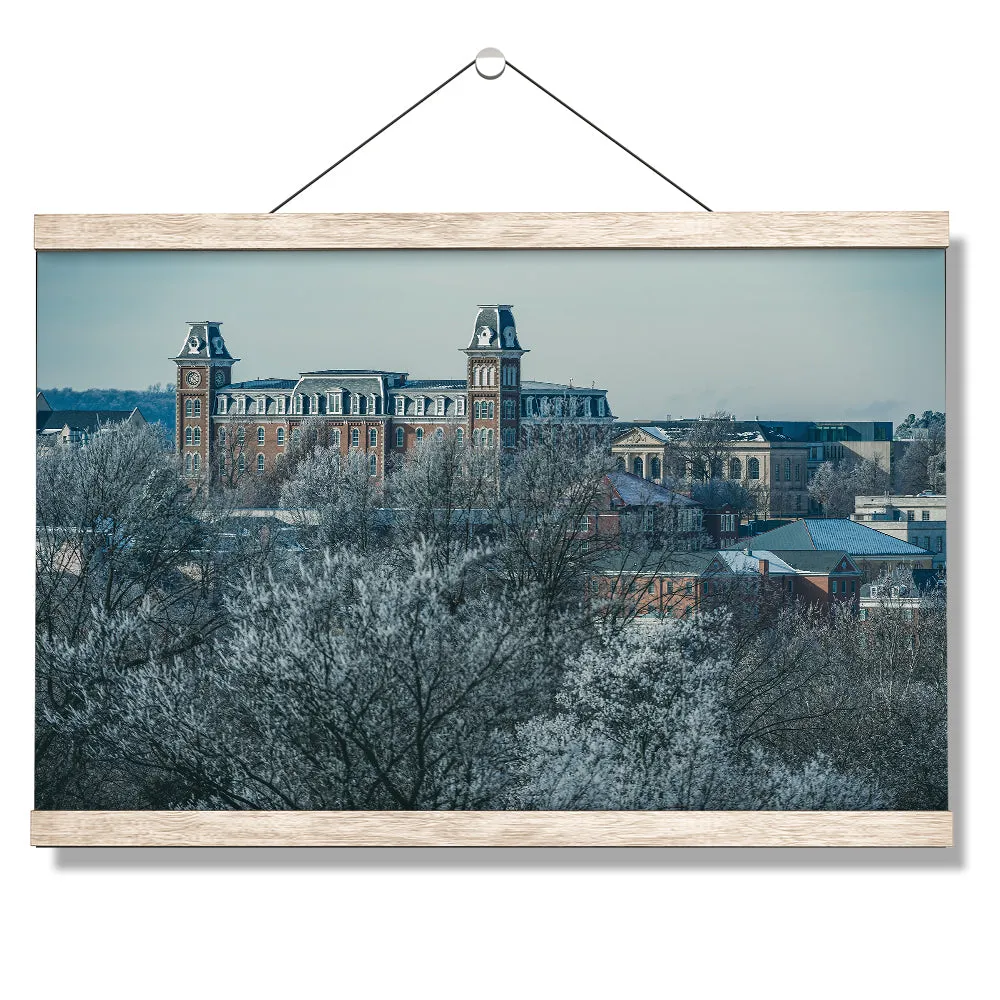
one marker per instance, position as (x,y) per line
(532,230)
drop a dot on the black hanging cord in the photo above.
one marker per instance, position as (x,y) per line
(606,136)
(521,73)
(441,86)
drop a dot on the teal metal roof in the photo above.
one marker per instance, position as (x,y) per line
(832,534)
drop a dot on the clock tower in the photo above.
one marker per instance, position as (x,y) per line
(204,365)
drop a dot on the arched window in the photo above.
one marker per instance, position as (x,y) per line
(753,468)
(493,376)
(222,437)
(637,467)
(296,435)
(197,436)
(260,435)
(242,464)
(260,463)
(222,466)
(460,437)
(335,438)
(373,465)
(492,413)
(489,436)
(788,469)
(197,407)
(735,469)
(439,434)
(240,435)
(654,468)
(187,465)
(188,407)
(188,433)
(281,435)
(420,434)
(372,437)
(355,437)
(195,464)
(400,436)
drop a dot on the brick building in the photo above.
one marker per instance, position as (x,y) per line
(229,429)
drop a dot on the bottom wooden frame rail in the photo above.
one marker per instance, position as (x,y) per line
(490,829)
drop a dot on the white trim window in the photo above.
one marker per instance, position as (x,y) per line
(355,403)
(400,405)
(222,437)
(281,404)
(260,435)
(439,406)
(372,437)
(355,437)
(262,404)
(600,406)
(298,403)
(372,403)
(335,438)
(420,406)
(338,402)
(400,437)
(197,437)
(373,464)
(460,437)
(241,405)
(260,463)
(281,435)
(221,404)
(189,407)
(439,436)
(460,406)
(420,434)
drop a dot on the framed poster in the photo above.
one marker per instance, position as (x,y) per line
(355,569)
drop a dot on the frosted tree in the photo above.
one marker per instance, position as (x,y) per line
(644,724)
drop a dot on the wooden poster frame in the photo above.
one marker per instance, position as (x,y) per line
(495,231)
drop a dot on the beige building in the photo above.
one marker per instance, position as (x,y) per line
(772,469)
(921,520)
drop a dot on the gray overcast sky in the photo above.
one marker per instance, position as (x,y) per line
(790,334)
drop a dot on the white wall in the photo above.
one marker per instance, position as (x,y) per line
(201,107)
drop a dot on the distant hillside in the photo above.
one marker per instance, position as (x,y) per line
(155,402)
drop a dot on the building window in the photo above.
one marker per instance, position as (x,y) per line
(798,473)
(338,402)
(355,403)
(788,470)
(854,585)
(222,437)
(195,464)
(420,434)
(188,434)
(260,463)
(222,466)
(187,465)
(222,404)
(460,408)
(355,437)
(373,403)
(281,404)
(262,405)
(862,614)
(940,543)
(688,587)
(460,440)
(670,586)
(637,467)
(296,435)
(907,614)
(600,406)
(372,437)
(281,435)
(420,406)
(188,407)
(927,542)
(260,435)
(925,515)
(400,406)
(735,469)
(373,465)
(400,436)
(753,468)
(335,438)
(439,406)
(439,434)
(242,464)
(492,411)
(197,436)
(909,515)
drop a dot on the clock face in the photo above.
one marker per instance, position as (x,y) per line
(219,377)
(194,378)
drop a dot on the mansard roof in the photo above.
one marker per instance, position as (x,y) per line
(429,384)
(261,383)
(495,329)
(558,389)
(83,420)
(204,342)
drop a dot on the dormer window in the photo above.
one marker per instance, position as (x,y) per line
(460,408)
(372,403)
(439,406)
(281,404)
(262,404)
(355,403)
(400,406)
(338,402)
(315,403)
(600,406)
(298,403)
(221,405)
(420,406)
(241,405)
